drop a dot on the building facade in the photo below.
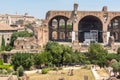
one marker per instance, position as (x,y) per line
(6,31)
(32,44)
(12,19)
(83,26)
(41,34)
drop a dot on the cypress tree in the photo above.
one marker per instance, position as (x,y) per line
(3,43)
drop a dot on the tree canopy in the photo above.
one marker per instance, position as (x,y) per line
(19,34)
(97,54)
(3,43)
(22,59)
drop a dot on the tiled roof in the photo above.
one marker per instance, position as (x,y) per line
(6,27)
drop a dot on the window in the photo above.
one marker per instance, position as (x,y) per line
(8,39)
(31,47)
(22,47)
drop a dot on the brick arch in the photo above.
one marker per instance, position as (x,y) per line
(88,23)
(59,29)
(51,17)
(98,17)
(57,17)
(111,18)
(51,14)
(114,27)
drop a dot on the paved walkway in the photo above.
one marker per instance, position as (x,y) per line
(100,76)
(4,78)
(97,77)
(33,71)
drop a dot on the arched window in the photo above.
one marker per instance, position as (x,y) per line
(69,24)
(114,28)
(54,23)
(54,35)
(62,24)
(62,35)
(90,29)
(69,35)
(58,28)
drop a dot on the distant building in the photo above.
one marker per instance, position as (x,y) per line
(32,44)
(12,19)
(6,31)
(41,34)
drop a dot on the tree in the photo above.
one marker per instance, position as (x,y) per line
(22,59)
(118,57)
(19,34)
(97,55)
(118,50)
(116,67)
(56,51)
(43,58)
(20,71)
(3,43)
(66,57)
(1,61)
(80,57)
(60,54)
(63,55)
(111,56)
(8,47)
(38,60)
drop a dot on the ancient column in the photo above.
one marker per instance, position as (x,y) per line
(75,24)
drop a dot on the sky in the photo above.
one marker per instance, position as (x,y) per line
(39,8)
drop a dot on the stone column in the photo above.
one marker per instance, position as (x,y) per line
(104,34)
(65,30)
(75,30)
(75,22)
(58,33)
(75,41)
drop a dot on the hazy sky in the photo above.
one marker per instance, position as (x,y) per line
(38,8)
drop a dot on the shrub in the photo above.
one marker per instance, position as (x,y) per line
(60,68)
(55,68)
(5,66)
(4,71)
(1,62)
(20,71)
(1,71)
(15,73)
(24,59)
(8,47)
(45,71)
(86,67)
(9,71)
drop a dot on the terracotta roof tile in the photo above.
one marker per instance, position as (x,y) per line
(6,27)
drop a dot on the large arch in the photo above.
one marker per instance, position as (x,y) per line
(62,27)
(90,28)
(114,28)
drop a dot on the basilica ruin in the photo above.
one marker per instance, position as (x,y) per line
(78,28)
(83,26)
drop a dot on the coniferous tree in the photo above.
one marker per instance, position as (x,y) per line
(3,43)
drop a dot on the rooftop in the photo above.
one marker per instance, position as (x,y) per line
(6,27)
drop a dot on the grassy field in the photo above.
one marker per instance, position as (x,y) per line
(78,74)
